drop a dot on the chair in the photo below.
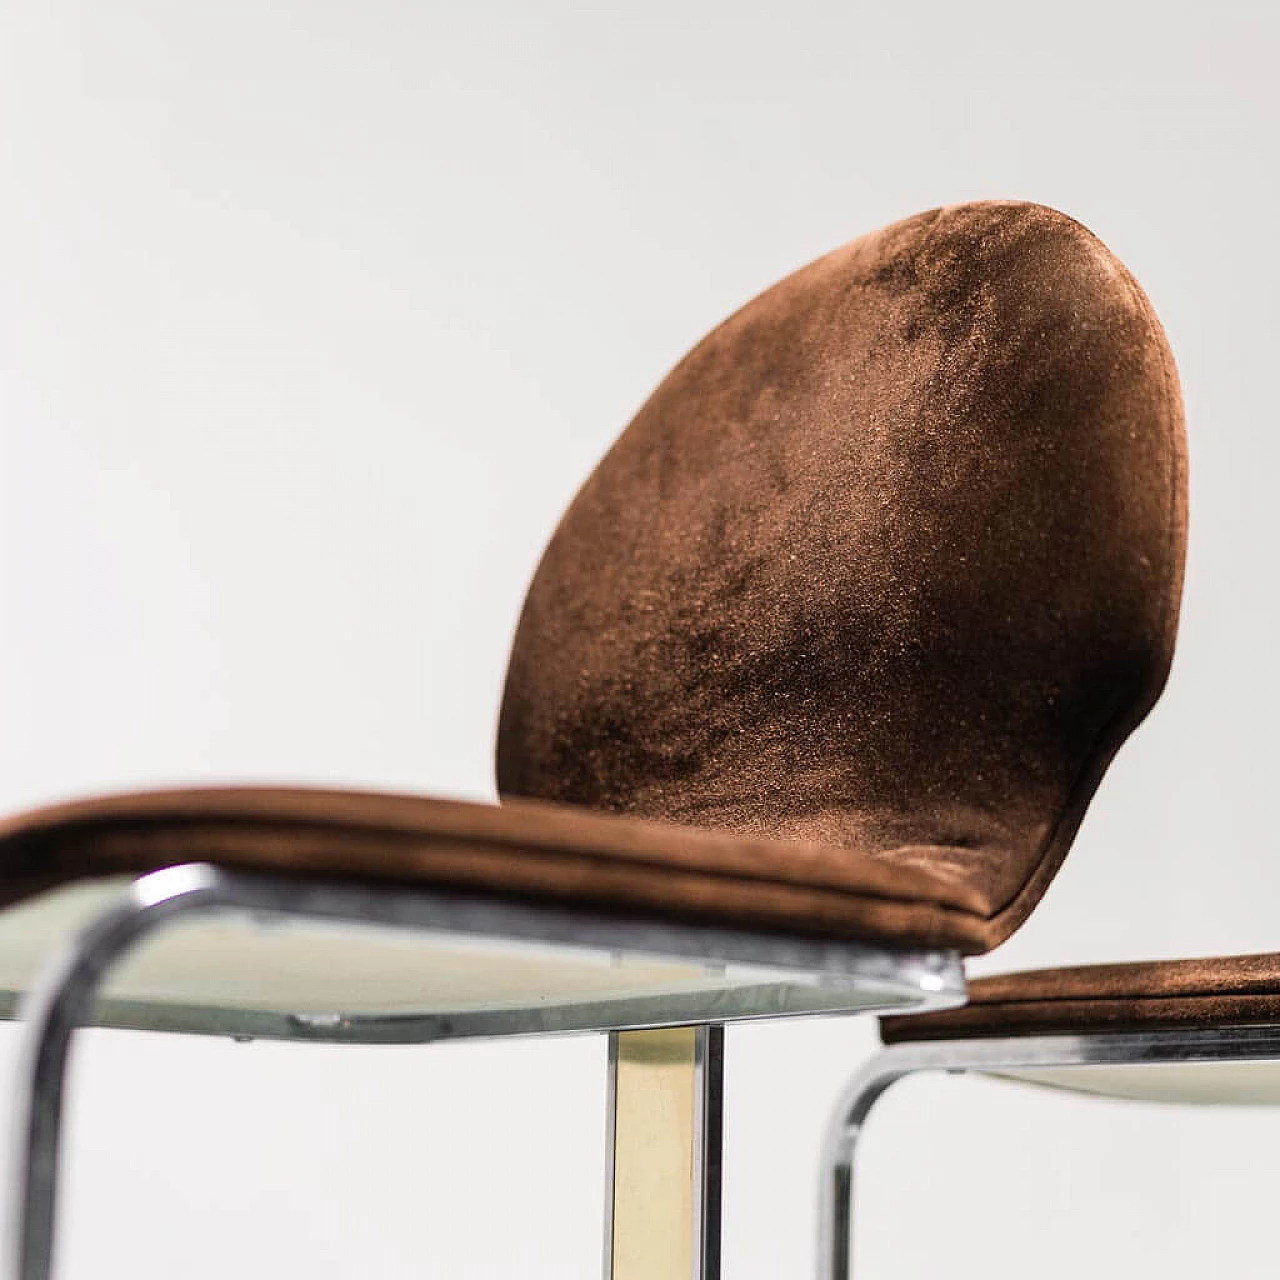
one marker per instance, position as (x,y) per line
(810,692)
(1143,1031)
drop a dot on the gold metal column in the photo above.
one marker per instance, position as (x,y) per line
(665,1126)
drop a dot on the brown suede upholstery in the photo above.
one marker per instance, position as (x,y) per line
(523,849)
(890,562)
(839,637)
(1107,997)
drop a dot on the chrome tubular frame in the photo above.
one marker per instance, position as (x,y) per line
(997,1057)
(66,997)
(59,1003)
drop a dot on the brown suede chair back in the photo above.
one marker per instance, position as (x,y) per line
(891,561)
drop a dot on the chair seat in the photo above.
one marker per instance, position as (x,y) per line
(1206,992)
(526,850)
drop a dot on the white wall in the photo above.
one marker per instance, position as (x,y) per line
(312,317)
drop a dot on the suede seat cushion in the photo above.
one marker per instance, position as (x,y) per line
(531,851)
(1107,997)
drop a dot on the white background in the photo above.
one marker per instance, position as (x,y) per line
(314,315)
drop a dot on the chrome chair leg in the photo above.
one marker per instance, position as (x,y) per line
(835,1203)
(1014,1057)
(61,1001)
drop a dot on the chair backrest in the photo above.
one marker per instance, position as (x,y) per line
(891,560)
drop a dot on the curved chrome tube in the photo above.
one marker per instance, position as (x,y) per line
(835,1196)
(998,1057)
(60,1002)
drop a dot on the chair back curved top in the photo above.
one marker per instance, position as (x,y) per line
(890,561)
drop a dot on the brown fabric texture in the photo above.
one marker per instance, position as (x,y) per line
(890,564)
(839,637)
(1204,992)
(522,849)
